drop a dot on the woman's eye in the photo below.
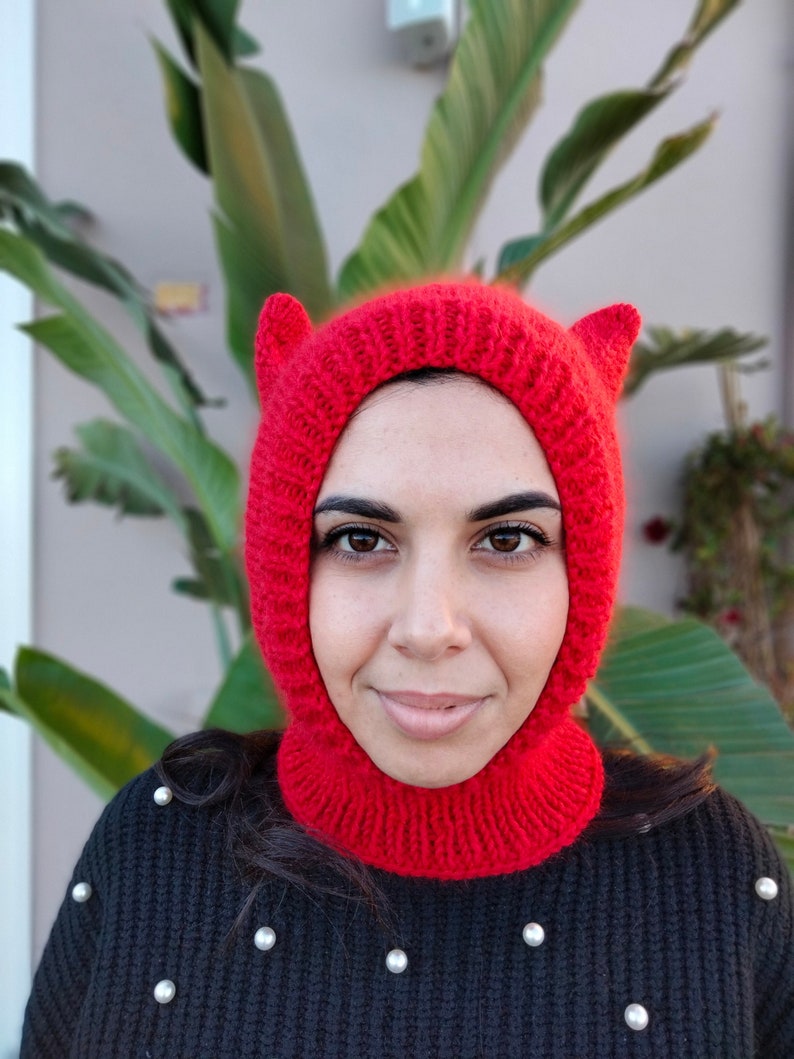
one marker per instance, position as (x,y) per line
(355,540)
(513,539)
(507,540)
(359,541)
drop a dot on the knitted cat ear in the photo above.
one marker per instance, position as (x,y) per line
(283,325)
(608,336)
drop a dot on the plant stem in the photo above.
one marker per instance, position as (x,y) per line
(617,720)
(733,407)
(221,636)
(754,641)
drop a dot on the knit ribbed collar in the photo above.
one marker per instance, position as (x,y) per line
(515,813)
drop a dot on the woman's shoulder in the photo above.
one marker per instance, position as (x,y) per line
(182,802)
(717,850)
(130,809)
(141,821)
(724,825)
(738,839)
(671,818)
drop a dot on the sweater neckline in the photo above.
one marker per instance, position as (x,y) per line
(517,812)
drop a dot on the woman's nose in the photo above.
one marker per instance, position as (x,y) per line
(430,616)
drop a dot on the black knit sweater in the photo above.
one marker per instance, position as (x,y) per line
(669,920)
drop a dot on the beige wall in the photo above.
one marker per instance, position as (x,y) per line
(706,248)
(16,481)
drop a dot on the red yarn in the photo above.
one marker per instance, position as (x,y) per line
(539,792)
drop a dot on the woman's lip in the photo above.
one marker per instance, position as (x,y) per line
(440,700)
(424,716)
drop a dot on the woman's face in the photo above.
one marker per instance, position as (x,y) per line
(439,595)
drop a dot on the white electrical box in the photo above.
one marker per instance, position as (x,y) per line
(427,29)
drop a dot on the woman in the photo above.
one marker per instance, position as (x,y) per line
(434,860)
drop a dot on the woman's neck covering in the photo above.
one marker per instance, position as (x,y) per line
(540,791)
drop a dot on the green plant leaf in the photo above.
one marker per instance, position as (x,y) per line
(246,700)
(492,91)
(191,587)
(604,121)
(304,248)
(784,840)
(218,18)
(182,14)
(665,349)
(601,124)
(519,259)
(24,209)
(100,735)
(595,131)
(243,44)
(232,41)
(210,473)
(268,234)
(183,106)
(244,291)
(112,469)
(708,14)
(683,689)
(48,226)
(83,261)
(707,17)
(88,350)
(21,195)
(219,577)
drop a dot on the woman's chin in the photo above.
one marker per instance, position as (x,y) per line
(430,767)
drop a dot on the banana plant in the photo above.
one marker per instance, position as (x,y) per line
(494,88)
(228,119)
(673,687)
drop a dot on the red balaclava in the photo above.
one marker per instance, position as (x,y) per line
(539,791)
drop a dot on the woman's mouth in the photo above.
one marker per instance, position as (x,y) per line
(422,716)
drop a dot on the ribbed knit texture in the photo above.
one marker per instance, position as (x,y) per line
(669,920)
(542,788)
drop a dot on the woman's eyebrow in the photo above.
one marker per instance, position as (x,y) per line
(509,505)
(358,505)
(506,505)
